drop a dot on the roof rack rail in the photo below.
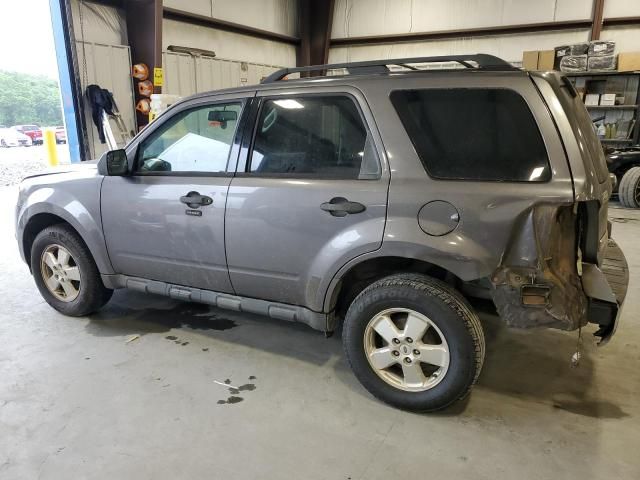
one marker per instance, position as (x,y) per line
(484,62)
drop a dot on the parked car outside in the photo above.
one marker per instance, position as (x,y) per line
(12,138)
(32,131)
(61,135)
(359,199)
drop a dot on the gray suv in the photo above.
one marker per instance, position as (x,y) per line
(383,195)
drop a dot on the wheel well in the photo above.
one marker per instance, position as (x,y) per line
(365,273)
(35,225)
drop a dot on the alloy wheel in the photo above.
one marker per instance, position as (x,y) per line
(60,273)
(406,349)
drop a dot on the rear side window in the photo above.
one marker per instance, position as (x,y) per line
(473,134)
(322,136)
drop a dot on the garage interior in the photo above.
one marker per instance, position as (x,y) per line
(151,387)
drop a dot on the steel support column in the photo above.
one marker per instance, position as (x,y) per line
(316,18)
(596,19)
(144,29)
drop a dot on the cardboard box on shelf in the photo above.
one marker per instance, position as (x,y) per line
(530,60)
(608,99)
(628,61)
(538,60)
(592,99)
(545,59)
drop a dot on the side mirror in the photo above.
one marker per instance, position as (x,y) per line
(117,164)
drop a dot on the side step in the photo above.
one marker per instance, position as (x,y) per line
(291,313)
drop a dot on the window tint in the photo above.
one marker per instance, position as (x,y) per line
(474,134)
(323,136)
(197,140)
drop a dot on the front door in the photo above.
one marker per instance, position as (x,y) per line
(312,196)
(166,221)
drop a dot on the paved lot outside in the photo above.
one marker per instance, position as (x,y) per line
(18,162)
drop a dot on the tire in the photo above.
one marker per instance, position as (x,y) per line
(49,247)
(450,317)
(629,189)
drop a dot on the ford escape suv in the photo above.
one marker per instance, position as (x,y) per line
(379,194)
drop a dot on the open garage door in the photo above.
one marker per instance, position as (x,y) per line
(108,66)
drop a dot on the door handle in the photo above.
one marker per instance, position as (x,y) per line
(195,200)
(340,207)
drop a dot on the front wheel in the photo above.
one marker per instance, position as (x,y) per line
(65,272)
(414,342)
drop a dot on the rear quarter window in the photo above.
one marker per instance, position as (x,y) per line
(473,134)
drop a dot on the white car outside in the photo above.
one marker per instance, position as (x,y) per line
(12,138)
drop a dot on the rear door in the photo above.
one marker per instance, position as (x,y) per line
(166,221)
(311,196)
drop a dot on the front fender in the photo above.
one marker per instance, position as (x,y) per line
(77,202)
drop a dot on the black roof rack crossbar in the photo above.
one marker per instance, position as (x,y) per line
(484,62)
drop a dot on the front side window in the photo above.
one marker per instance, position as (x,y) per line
(196,140)
(473,134)
(321,136)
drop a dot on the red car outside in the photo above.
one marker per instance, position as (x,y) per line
(61,135)
(32,131)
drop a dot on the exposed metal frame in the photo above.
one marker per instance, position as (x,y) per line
(465,33)
(597,14)
(587,23)
(620,21)
(315,18)
(202,20)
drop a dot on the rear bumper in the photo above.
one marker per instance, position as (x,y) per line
(606,289)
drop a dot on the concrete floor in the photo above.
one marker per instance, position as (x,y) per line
(79,401)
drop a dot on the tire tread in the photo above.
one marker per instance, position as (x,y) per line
(450,297)
(627,188)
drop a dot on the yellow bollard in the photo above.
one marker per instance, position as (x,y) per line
(50,144)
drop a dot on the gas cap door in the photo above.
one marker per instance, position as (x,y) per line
(438,218)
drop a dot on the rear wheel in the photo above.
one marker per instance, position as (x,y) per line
(65,272)
(414,342)
(629,190)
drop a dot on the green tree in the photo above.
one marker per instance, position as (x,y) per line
(29,99)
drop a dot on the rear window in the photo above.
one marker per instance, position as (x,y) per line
(473,134)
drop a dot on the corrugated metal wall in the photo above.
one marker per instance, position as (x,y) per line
(354,18)
(108,66)
(279,16)
(186,74)
(100,34)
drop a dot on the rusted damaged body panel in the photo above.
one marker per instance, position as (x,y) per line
(537,283)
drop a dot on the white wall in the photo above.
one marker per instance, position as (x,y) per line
(627,38)
(354,18)
(278,16)
(226,44)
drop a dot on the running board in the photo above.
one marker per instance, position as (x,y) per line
(291,313)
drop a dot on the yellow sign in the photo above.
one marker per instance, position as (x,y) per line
(158,77)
